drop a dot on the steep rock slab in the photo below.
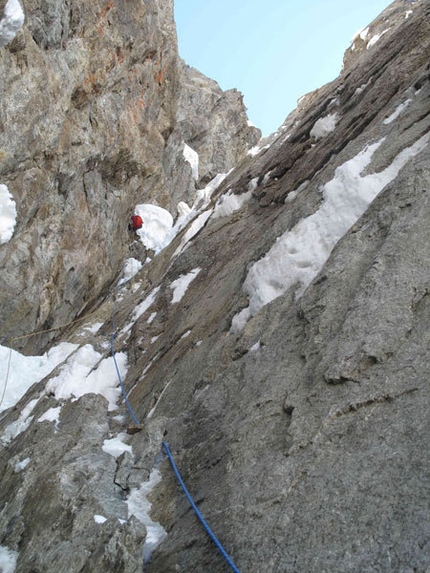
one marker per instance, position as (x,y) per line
(302,434)
(89,100)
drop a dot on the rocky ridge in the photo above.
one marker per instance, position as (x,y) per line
(301,430)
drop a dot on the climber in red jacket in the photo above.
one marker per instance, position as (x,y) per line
(136,223)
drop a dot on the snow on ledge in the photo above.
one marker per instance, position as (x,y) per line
(157,226)
(375,39)
(181,284)
(324,125)
(400,109)
(87,372)
(116,446)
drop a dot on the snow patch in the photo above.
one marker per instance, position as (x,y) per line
(20,466)
(15,428)
(193,159)
(24,371)
(151,317)
(7,210)
(140,507)
(360,34)
(8,559)
(115,446)
(157,225)
(100,518)
(255,150)
(229,203)
(93,328)
(131,268)
(400,109)
(376,38)
(361,89)
(300,253)
(324,126)
(11,23)
(198,223)
(181,284)
(144,305)
(51,415)
(85,372)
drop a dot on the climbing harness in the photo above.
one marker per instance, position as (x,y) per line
(197,512)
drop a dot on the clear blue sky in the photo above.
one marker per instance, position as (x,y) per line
(273,51)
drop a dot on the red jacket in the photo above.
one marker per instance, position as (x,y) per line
(136,222)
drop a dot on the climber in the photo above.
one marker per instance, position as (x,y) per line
(136,223)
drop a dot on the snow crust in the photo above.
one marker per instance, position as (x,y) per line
(100,519)
(7,210)
(20,466)
(157,225)
(87,372)
(8,559)
(139,506)
(376,38)
(181,284)
(400,109)
(24,371)
(229,203)
(51,415)
(20,425)
(131,267)
(193,159)
(144,305)
(300,253)
(11,23)
(116,446)
(324,125)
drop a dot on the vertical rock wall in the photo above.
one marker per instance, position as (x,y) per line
(89,97)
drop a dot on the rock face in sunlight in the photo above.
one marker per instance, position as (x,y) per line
(276,338)
(91,95)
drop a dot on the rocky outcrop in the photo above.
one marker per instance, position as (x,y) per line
(278,343)
(90,96)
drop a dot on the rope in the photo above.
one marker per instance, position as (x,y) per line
(197,512)
(112,347)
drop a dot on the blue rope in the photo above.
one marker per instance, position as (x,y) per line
(199,515)
(112,347)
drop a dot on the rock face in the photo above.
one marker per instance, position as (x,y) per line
(279,342)
(90,99)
